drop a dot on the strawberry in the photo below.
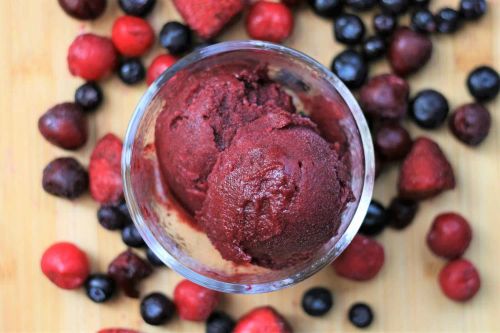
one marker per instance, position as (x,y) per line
(264,319)
(195,302)
(106,185)
(208,17)
(425,172)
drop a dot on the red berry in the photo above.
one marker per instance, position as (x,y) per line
(65,126)
(362,259)
(425,171)
(105,178)
(264,319)
(449,236)
(269,21)
(159,64)
(195,302)
(392,141)
(132,36)
(65,265)
(128,269)
(409,51)
(91,57)
(83,9)
(459,280)
(470,123)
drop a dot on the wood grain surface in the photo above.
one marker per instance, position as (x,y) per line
(34,37)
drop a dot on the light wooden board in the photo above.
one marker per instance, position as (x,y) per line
(34,36)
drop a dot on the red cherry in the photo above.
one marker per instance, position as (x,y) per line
(132,36)
(159,64)
(449,236)
(65,265)
(194,302)
(269,21)
(459,280)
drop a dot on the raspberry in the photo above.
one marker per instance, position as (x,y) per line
(459,280)
(449,236)
(159,64)
(195,302)
(65,265)
(262,319)
(269,21)
(91,57)
(132,36)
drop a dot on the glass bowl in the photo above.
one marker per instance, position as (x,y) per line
(188,251)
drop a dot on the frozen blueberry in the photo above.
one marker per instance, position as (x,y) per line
(175,37)
(99,287)
(422,20)
(384,24)
(317,301)
(375,219)
(326,8)
(401,212)
(360,315)
(351,68)
(429,109)
(153,259)
(349,29)
(361,5)
(395,7)
(131,71)
(111,218)
(373,47)
(89,96)
(132,237)
(139,8)
(483,83)
(219,322)
(157,309)
(447,20)
(472,9)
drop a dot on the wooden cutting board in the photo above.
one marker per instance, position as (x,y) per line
(34,37)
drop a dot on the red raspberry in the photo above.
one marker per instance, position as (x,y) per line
(159,64)
(425,171)
(132,36)
(105,178)
(262,319)
(195,302)
(65,265)
(459,280)
(91,57)
(449,236)
(269,21)
(362,259)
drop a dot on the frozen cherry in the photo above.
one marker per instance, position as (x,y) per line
(131,71)
(83,9)
(65,265)
(472,9)
(384,24)
(422,20)
(348,29)
(157,309)
(159,65)
(111,218)
(89,96)
(360,315)
(219,322)
(131,236)
(375,219)
(392,141)
(128,269)
(409,51)
(429,109)
(326,8)
(483,83)
(449,236)
(317,301)
(269,21)
(470,123)
(401,212)
(350,67)
(132,36)
(175,37)
(459,280)
(447,20)
(65,177)
(65,126)
(395,7)
(99,287)
(139,8)
(373,47)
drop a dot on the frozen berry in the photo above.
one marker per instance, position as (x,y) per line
(195,302)
(262,319)
(326,8)
(122,207)
(375,219)
(483,83)
(472,9)
(350,67)
(175,37)
(111,218)
(361,260)
(131,71)
(429,109)
(470,123)
(384,24)
(395,7)
(447,20)
(459,280)
(385,96)
(401,212)
(392,141)
(89,96)
(65,126)
(409,51)
(83,9)
(132,36)
(449,236)
(159,64)
(91,57)
(139,8)
(153,259)
(348,29)
(269,21)
(317,301)
(360,315)
(420,3)
(157,309)
(65,265)
(65,177)
(361,5)
(99,287)
(131,236)
(128,269)
(219,322)
(373,47)
(422,20)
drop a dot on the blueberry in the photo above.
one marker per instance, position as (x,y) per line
(375,219)
(351,68)
(349,29)
(429,109)
(175,37)
(373,47)
(447,20)
(361,5)
(139,8)
(157,309)
(483,83)
(401,212)
(131,71)
(395,7)
(472,9)
(420,3)
(122,207)
(99,287)
(360,315)
(384,24)
(317,301)
(132,237)
(422,20)
(219,322)
(89,96)
(326,8)
(111,218)
(153,259)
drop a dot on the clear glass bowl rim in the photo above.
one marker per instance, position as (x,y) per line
(170,260)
